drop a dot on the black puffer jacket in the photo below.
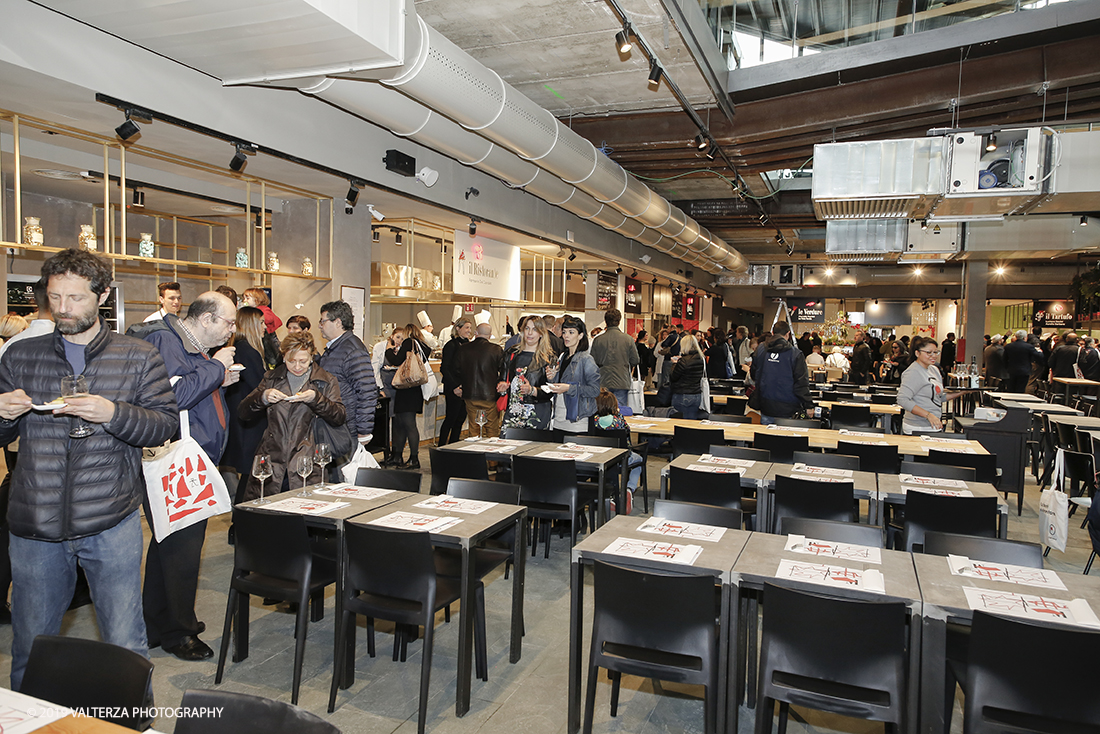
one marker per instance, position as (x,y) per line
(71,488)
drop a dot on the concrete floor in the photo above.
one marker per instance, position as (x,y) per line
(528,697)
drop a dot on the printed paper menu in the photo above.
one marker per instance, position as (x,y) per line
(348,490)
(585,447)
(797,429)
(836,576)
(1074,611)
(1041,577)
(821,471)
(831,549)
(574,455)
(683,530)
(446,503)
(714,469)
(727,461)
(305,506)
(416,521)
(656,550)
(937,490)
(932,482)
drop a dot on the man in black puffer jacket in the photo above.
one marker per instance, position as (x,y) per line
(77,498)
(780,374)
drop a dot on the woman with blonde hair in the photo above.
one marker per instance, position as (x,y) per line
(527,367)
(257,298)
(11,324)
(408,402)
(244,436)
(687,378)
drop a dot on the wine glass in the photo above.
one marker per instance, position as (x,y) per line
(75,386)
(322,455)
(481,420)
(261,469)
(303,466)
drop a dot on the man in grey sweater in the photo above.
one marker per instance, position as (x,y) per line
(615,354)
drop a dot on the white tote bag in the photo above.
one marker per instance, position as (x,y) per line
(430,388)
(183,485)
(635,397)
(360,459)
(704,396)
(1054,509)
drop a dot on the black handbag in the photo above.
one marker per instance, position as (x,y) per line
(339,439)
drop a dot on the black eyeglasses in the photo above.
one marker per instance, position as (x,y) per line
(925,351)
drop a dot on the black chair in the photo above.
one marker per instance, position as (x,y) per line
(722,517)
(496,550)
(720,490)
(782,447)
(1081,475)
(447,464)
(695,440)
(938,471)
(734,407)
(239,713)
(741,452)
(1006,695)
(925,511)
(403,481)
(837,532)
(542,435)
(390,574)
(884,398)
(807,657)
(273,559)
(726,418)
(84,674)
(984,465)
(589,477)
(832,461)
(855,417)
(878,459)
(655,626)
(979,548)
(817,500)
(798,422)
(641,449)
(548,489)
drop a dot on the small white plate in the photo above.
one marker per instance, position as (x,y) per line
(50,406)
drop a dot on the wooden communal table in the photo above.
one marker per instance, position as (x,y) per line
(1074,385)
(752,472)
(1084,422)
(945,601)
(759,563)
(716,559)
(864,487)
(595,458)
(470,532)
(891,491)
(820,438)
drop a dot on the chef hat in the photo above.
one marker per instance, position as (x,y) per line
(422,317)
(456,314)
(482,317)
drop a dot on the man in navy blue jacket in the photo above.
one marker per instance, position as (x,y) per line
(348,360)
(172,565)
(780,374)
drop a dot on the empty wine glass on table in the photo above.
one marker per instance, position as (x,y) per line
(322,455)
(76,386)
(303,467)
(481,420)
(261,469)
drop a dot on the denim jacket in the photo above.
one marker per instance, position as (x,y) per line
(583,377)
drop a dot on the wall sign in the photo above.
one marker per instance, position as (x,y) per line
(606,286)
(1053,314)
(633,296)
(485,267)
(689,307)
(677,305)
(806,311)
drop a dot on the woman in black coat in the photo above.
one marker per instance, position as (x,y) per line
(245,435)
(408,402)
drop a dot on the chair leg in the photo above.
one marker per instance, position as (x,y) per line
(784,714)
(765,712)
(536,529)
(317,606)
(301,621)
(240,636)
(616,681)
(225,634)
(549,529)
(342,653)
(481,654)
(425,672)
(1088,565)
(590,698)
(370,636)
(507,568)
(447,614)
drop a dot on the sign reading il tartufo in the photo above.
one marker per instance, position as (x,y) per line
(485,267)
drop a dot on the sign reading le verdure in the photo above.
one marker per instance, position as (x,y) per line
(485,267)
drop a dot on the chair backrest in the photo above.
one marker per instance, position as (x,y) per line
(653,611)
(884,398)
(734,407)
(79,673)
(622,434)
(727,418)
(782,447)
(939,471)
(833,461)
(695,440)
(798,422)
(807,644)
(832,374)
(977,548)
(407,573)
(240,713)
(1065,434)
(720,490)
(740,452)
(838,532)
(484,490)
(1080,467)
(462,464)
(586,440)
(850,415)
(722,517)
(878,459)
(270,543)
(533,434)
(1005,695)
(984,465)
(925,511)
(545,481)
(404,481)
(1084,437)
(807,498)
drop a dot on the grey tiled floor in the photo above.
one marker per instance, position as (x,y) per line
(528,697)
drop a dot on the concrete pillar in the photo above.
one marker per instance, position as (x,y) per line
(977,282)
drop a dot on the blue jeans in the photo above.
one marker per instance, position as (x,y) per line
(634,463)
(620,395)
(44,576)
(687,404)
(767,420)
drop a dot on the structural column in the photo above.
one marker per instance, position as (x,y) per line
(977,282)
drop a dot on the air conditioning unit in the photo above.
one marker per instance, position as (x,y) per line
(786,276)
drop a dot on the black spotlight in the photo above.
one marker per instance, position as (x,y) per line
(397,238)
(619,270)
(374,237)
(572,255)
(240,157)
(654,75)
(352,197)
(654,281)
(139,199)
(700,141)
(473,228)
(128,129)
(1084,220)
(635,273)
(622,39)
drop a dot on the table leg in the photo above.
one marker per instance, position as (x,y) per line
(518,579)
(601,494)
(913,694)
(624,479)
(465,635)
(1002,522)
(763,507)
(734,669)
(664,482)
(728,619)
(576,619)
(933,654)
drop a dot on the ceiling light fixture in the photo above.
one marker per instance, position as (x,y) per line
(353,196)
(472,192)
(572,255)
(622,39)
(917,270)
(240,158)
(923,224)
(619,270)
(1000,270)
(375,214)
(635,273)
(473,227)
(701,141)
(654,75)
(374,237)
(991,144)
(1084,220)
(129,128)
(828,272)
(397,239)
(654,281)
(427,176)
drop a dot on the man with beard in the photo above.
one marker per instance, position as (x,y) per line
(76,499)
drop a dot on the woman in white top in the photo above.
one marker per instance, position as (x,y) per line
(921,394)
(838,360)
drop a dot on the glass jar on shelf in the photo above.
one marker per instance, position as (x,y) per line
(307,267)
(273,261)
(146,248)
(242,258)
(32,231)
(87,238)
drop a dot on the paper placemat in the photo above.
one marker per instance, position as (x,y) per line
(937,490)
(304,506)
(821,471)
(574,455)
(831,549)
(683,530)
(836,576)
(446,503)
(657,550)
(1041,577)
(714,468)
(1025,606)
(416,521)
(916,481)
(727,461)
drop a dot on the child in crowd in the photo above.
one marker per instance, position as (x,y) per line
(608,418)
